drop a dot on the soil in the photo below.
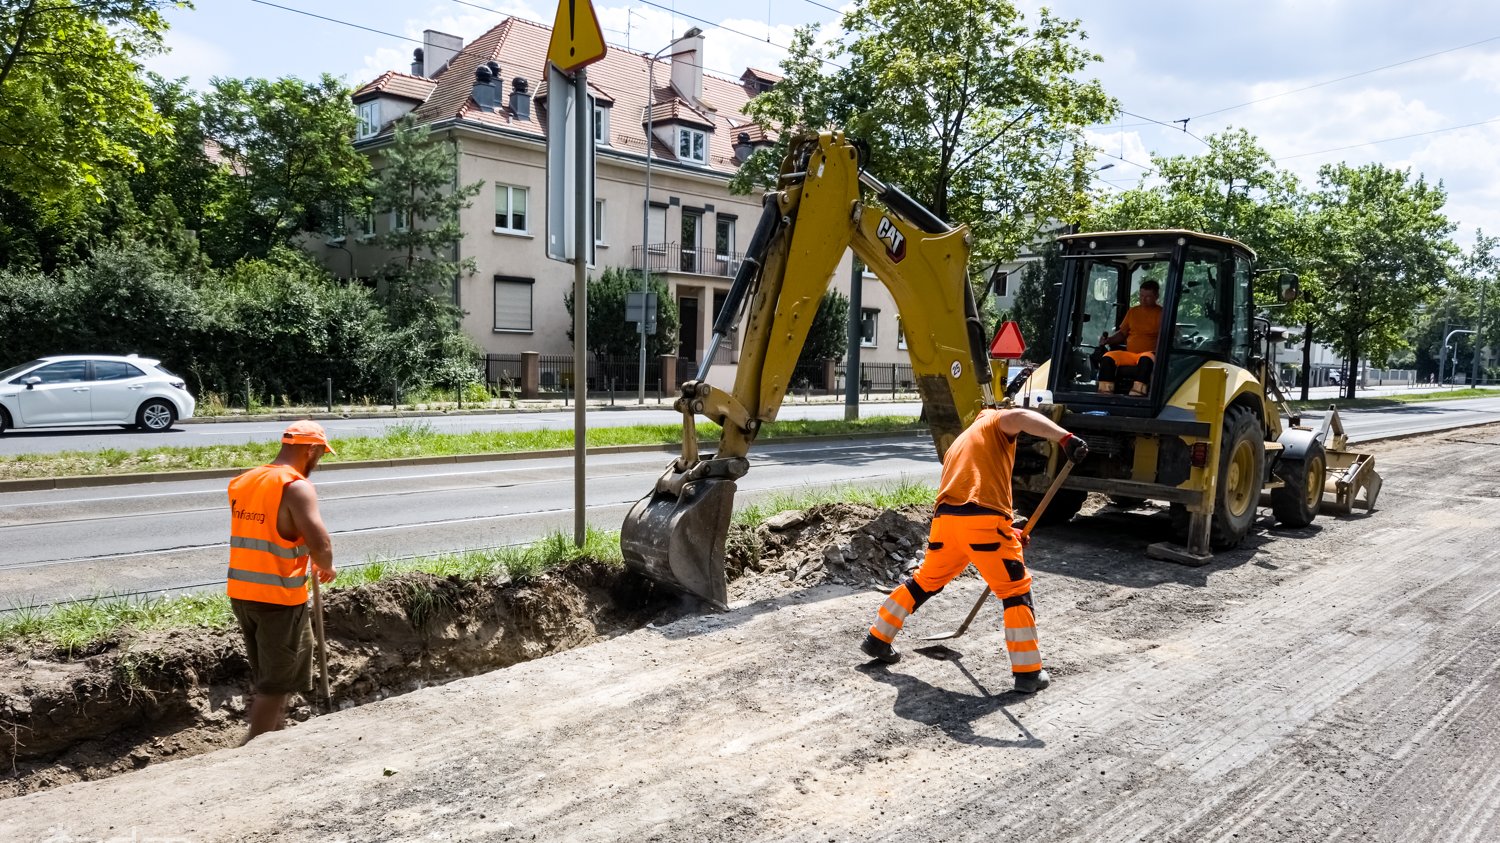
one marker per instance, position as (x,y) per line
(1335,682)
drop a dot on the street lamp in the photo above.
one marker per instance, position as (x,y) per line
(1443,358)
(646,205)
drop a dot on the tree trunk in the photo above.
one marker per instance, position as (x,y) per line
(1353,364)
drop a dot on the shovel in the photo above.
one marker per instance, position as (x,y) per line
(1036,515)
(322,640)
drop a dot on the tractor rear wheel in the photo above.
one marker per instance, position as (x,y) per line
(1297,503)
(1242,468)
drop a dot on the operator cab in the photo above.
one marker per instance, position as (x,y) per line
(1204,286)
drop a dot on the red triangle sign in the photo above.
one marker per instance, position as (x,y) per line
(1008,343)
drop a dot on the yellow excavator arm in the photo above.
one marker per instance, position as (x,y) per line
(676,534)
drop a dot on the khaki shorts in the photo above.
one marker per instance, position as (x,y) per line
(279,642)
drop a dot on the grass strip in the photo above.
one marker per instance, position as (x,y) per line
(413,439)
(72,628)
(1393,400)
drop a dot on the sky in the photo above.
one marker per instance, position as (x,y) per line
(1404,84)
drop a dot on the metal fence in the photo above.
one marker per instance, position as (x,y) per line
(879,378)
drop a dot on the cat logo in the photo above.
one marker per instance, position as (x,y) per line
(894,240)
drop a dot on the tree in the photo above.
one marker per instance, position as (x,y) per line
(1382,250)
(828,336)
(1036,302)
(610,337)
(287,145)
(417,186)
(974,112)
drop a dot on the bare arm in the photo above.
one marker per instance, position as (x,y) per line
(301,502)
(1015,421)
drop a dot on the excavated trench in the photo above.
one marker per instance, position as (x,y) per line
(144,698)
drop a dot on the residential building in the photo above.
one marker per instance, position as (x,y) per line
(488,99)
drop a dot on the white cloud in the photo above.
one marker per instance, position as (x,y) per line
(192,57)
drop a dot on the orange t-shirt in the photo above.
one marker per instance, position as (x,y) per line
(1142,326)
(978,464)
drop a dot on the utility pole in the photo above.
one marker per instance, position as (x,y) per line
(856,336)
(1478,335)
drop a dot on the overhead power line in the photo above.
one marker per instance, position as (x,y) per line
(1390,140)
(1349,76)
(336,20)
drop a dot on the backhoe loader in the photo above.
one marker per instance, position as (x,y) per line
(1202,426)
(676,534)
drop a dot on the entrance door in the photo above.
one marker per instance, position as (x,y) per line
(687,333)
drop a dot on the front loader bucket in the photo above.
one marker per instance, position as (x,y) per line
(678,540)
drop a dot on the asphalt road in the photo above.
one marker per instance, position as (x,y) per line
(52,440)
(233,433)
(144,538)
(69,544)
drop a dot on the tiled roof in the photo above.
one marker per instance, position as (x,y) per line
(392,83)
(759,75)
(620,79)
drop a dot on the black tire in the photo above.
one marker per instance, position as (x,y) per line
(1063,506)
(1298,502)
(5,421)
(1242,468)
(156,416)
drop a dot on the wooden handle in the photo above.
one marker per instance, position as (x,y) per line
(1036,514)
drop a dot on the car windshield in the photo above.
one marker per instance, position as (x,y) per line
(16,370)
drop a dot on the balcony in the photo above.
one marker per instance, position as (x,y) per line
(671,257)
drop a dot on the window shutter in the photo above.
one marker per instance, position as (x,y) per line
(513,303)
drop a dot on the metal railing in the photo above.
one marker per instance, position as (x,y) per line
(883,378)
(673,257)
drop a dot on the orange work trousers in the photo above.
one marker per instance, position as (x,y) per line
(989,543)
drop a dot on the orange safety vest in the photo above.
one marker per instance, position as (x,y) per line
(263,566)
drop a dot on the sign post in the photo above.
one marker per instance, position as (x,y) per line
(577,41)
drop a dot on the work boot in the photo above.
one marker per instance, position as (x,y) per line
(1138,389)
(1030,683)
(1106,387)
(879,650)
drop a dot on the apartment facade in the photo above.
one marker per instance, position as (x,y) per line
(488,98)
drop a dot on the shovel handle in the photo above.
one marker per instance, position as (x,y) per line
(317,595)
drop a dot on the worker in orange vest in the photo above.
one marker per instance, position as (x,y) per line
(1139,331)
(275,528)
(973,524)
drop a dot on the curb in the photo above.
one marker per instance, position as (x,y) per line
(87,481)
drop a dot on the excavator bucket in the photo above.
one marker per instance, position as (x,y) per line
(1350,474)
(678,539)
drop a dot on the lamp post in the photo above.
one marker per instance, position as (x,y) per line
(1478,334)
(646,207)
(1443,360)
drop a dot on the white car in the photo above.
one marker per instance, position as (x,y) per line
(75,390)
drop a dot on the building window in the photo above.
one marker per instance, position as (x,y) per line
(369,120)
(601,125)
(867,320)
(510,208)
(400,220)
(723,237)
(900,334)
(513,304)
(599,222)
(367,225)
(692,145)
(1002,284)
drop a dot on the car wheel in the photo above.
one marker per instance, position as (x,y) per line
(4,420)
(156,415)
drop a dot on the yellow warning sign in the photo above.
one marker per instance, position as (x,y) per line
(577,39)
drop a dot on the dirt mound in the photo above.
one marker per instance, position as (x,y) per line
(152,696)
(848,543)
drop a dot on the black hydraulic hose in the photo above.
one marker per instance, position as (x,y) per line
(912,210)
(760,241)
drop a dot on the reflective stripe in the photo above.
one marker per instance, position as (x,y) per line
(884,631)
(1025,658)
(260,578)
(1024,633)
(898,611)
(268,547)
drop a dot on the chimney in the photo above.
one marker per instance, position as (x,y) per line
(687,65)
(520,98)
(484,89)
(743,148)
(416,62)
(438,48)
(494,67)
